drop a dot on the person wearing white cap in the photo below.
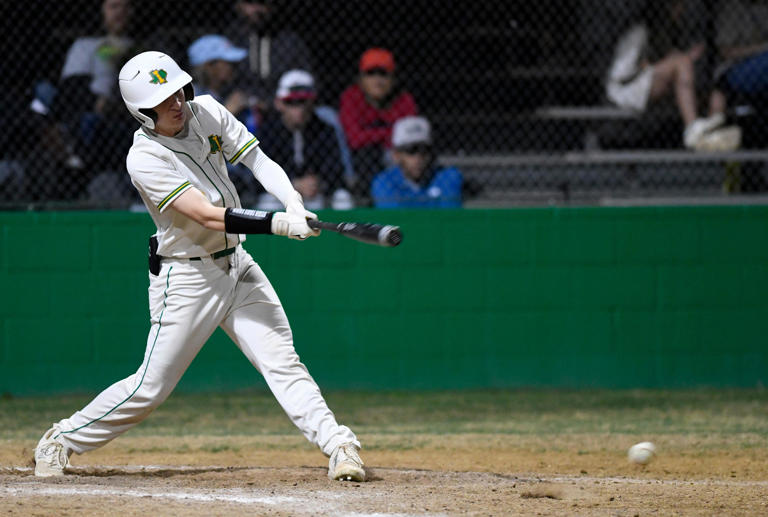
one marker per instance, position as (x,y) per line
(416,181)
(213,59)
(306,146)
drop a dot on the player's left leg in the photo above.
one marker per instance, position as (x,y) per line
(258,325)
(187,301)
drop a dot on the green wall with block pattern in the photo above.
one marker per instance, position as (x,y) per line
(541,297)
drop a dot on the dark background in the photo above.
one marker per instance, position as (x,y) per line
(472,66)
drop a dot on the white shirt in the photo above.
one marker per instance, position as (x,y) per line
(94,56)
(162,168)
(628,54)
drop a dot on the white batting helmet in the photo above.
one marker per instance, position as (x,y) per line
(149,78)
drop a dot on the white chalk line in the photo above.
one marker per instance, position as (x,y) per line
(129,469)
(209,496)
(229,496)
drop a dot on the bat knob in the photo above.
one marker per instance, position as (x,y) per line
(390,236)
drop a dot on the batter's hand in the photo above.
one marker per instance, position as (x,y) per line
(295,205)
(292,226)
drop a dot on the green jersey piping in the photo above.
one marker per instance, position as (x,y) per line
(226,241)
(149,358)
(243,149)
(171,196)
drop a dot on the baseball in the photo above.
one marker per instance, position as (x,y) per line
(641,453)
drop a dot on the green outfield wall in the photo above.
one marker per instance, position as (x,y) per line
(542,297)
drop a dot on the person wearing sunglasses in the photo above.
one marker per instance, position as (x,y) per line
(416,181)
(304,144)
(368,109)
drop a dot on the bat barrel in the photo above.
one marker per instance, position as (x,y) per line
(390,235)
(382,235)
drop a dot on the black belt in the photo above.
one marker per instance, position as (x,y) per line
(218,254)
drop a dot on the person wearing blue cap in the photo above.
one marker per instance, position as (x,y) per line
(213,59)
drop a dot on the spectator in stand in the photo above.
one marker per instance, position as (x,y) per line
(272,51)
(742,44)
(416,181)
(85,123)
(213,58)
(652,60)
(305,145)
(368,109)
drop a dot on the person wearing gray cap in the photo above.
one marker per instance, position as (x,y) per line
(416,181)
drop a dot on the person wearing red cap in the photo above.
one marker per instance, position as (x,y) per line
(368,109)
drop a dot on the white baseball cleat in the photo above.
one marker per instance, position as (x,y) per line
(51,457)
(345,464)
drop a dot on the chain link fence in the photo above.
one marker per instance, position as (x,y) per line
(527,102)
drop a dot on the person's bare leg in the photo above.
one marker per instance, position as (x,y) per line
(676,69)
(717,102)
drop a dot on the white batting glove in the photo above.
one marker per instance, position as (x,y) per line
(292,226)
(295,205)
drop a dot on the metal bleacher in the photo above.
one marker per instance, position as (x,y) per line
(604,176)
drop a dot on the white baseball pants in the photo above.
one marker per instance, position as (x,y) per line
(187,301)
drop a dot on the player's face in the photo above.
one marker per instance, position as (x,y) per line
(413,160)
(171,115)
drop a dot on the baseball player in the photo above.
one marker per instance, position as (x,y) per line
(200,275)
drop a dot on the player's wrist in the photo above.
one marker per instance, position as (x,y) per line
(241,220)
(294,204)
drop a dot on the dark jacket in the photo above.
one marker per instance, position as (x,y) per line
(286,52)
(320,149)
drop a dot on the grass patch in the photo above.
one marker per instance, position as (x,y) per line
(740,416)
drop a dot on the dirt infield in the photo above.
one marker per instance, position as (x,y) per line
(449,475)
(427,453)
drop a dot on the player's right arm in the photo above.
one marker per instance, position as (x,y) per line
(193,204)
(242,147)
(196,206)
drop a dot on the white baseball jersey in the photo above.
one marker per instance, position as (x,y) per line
(163,167)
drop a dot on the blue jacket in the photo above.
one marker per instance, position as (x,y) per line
(442,189)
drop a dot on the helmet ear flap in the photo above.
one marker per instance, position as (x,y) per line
(149,112)
(189,92)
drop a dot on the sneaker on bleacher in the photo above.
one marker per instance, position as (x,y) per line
(720,139)
(699,127)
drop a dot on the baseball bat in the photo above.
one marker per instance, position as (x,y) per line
(378,234)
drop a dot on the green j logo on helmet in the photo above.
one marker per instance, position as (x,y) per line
(158,76)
